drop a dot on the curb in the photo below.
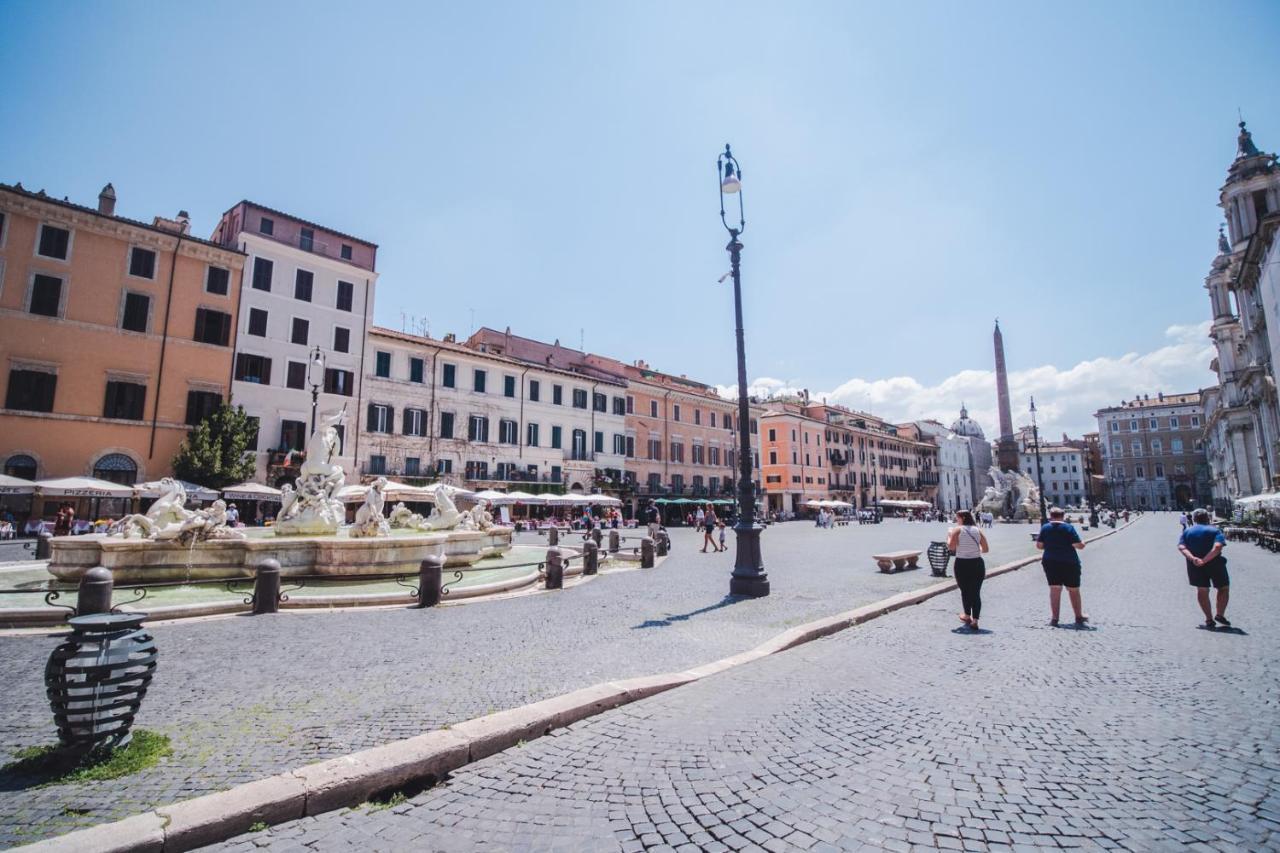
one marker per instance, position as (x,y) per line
(350,780)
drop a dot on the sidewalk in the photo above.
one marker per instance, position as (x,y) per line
(1143,733)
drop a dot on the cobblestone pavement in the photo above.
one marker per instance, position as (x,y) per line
(245,697)
(1142,733)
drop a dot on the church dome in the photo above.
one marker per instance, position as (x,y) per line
(965,426)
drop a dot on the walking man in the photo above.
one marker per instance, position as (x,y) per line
(1202,545)
(1060,541)
(654,520)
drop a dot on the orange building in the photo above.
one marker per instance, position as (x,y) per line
(115,336)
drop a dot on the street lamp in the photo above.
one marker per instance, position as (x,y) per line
(1035,435)
(315,378)
(748,577)
(875,488)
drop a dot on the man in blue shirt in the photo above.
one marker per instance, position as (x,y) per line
(1202,545)
(1060,541)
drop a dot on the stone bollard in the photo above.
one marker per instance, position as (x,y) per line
(429,573)
(94,596)
(597,536)
(646,553)
(555,569)
(615,542)
(266,588)
(43,548)
(553,536)
(664,543)
(590,558)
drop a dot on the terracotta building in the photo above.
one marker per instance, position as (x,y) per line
(1154,453)
(116,336)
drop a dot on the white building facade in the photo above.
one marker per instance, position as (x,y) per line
(955,467)
(437,409)
(1061,469)
(305,308)
(970,431)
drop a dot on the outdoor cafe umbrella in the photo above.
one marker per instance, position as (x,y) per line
(155,489)
(251,492)
(526,498)
(82,487)
(493,496)
(15,485)
(604,500)
(393,491)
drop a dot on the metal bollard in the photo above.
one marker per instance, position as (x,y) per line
(664,544)
(590,558)
(597,536)
(94,596)
(555,569)
(646,553)
(429,574)
(615,542)
(42,546)
(553,536)
(266,588)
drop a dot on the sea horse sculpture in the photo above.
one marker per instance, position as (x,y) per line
(369,518)
(314,508)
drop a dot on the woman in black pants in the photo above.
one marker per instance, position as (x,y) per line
(968,543)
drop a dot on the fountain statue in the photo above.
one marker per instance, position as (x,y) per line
(1013,496)
(311,507)
(445,515)
(369,518)
(168,519)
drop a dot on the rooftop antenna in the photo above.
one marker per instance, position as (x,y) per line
(404,326)
(473,320)
(582,339)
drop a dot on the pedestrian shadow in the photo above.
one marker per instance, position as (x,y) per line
(1239,632)
(1073,626)
(969,632)
(684,617)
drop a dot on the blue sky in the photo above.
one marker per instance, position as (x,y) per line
(911,171)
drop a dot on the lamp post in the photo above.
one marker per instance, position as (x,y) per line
(315,378)
(875,488)
(748,576)
(1035,435)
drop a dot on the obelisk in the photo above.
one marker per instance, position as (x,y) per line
(1007,446)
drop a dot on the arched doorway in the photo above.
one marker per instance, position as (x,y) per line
(1182,496)
(20,465)
(116,468)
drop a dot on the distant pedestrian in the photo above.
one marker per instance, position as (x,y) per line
(699,516)
(967,541)
(722,545)
(708,521)
(1183,520)
(1060,541)
(654,520)
(1202,545)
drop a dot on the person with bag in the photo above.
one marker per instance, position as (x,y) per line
(1060,541)
(1202,545)
(967,541)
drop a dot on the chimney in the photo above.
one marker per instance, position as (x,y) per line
(450,338)
(1160,396)
(107,201)
(184,221)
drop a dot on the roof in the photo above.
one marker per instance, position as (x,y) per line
(18,189)
(1152,403)
(297,218)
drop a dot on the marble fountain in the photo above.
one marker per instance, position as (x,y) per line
(171,542)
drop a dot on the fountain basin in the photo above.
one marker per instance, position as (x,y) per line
(140,560)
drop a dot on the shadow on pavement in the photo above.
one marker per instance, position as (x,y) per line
(962,631)
(684,617)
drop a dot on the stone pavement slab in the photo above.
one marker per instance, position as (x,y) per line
(247,697)
(1140,733)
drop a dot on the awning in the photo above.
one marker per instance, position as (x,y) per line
(1264,501)
(15,485)
(526,498)
(906,504)
(82,487)
(394,491)
(251,492)
(493,496)
(154,489)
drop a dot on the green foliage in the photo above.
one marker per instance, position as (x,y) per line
(53,765)
(217,451)
(257,826)
(377,805)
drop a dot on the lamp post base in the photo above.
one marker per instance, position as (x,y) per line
(748,578)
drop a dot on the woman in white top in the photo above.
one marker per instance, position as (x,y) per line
(968,543)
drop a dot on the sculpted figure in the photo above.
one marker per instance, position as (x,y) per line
(313,508)
(369,519)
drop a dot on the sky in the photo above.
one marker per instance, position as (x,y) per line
(910,172)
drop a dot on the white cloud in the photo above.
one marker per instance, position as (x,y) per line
(1065,399)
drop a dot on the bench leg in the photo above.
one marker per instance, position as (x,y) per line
(884,565)
(899,565)
(911,561)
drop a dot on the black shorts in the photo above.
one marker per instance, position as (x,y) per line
(1060,573)
(1213,573)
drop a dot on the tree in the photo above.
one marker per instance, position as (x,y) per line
(217,451)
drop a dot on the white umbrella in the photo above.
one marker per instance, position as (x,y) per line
(155,489)
(815,503)
(82,487)
(604,500)
(453,491)
(493,496)
(526,498)
(15,485)
(393,491)
(351,494)
(563,500)
(251,492)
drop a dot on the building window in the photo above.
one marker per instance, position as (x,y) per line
(380,418)
(579,447)
(412,466)
(263,269)
(477,470)
(341,382)
(341,339)
(579,398)
(46,295)
(478,377)
(653,408)
(1139,472)
(677,452)
(631,405)
(619,444)
(266,226)
(301,329)
(382,364)
(302,283)
(557,395)
(773,457)
(556,475)
(1175,445)
(1195,421)
(201,404)
(697,417)
(345,293)
(1156,446)
(508,431)
(21,466)
(377,463)
(599,402)
(217,280)
(253,368)
(142,263)
(296,375)
(446,424)
(508,386)
(531,435)
(478,428)
(631,447)
(307,240)
(137,308)
(415,369)
(1133,426)
(55,242)
(557,438)
(116,468)
(655,449)
(415,422)
(619,406)
(535,390)
(598,445)
(212,327)
(1173,423)
(675,412)
(345,251)
(1159,470)
(444,466)
(450,376)
(124,401)
(30,390)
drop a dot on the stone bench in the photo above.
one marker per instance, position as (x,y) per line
(897,561)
